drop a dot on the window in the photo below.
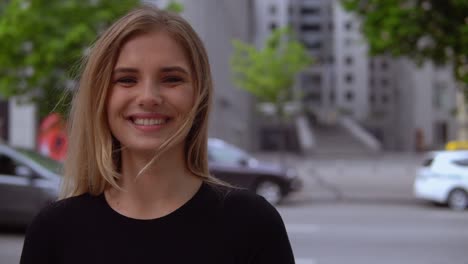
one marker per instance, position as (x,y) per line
(427,162)
(273,26)
(313,45)
(7,165)
(384,82)
(226,154)
(311,27)
(372,98)
(47,162)
(439,95)
(348,25)
(332,96)
(310,11)
(313,96)
(349,96)
(224,103)
(349,78)
(463,162)
(273,9)
(385,99)
(384,65)
(349,60)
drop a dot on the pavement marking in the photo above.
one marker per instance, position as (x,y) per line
(302,228)
(306,261)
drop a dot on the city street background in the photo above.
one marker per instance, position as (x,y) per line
(353,209)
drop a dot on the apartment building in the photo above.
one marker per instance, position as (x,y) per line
(405,106)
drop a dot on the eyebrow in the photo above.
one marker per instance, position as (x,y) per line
(174,68)
(164,69)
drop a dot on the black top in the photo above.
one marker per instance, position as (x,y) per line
(217,225)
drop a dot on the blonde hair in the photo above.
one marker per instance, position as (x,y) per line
(93,158)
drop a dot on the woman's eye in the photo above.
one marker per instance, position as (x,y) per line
(126,81)
(173,79)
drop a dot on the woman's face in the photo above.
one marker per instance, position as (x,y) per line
(151,91)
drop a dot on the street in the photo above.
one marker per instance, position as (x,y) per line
(355,210)
(371,233)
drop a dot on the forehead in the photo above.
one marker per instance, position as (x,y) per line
(156,47)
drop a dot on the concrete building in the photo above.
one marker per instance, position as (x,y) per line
(404,106)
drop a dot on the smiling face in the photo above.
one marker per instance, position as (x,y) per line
(151,92)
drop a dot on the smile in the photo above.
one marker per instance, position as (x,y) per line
(148,121)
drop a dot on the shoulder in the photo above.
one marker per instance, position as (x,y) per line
(61,210)
(247,207)
(254,225)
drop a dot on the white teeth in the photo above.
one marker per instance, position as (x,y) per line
(148,122)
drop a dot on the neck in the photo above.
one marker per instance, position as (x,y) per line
(158,190)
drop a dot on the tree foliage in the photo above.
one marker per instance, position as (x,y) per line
(268,73)
(42,42)
(420,29)
(175,6)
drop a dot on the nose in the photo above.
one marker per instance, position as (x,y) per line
(150,94)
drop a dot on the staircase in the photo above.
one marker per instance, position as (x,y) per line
(337,141)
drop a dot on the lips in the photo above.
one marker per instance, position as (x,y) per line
(148,119)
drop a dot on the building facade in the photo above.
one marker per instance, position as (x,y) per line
(405,106)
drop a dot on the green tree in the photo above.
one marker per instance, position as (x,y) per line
(42,42)
(175,6)
(269,72)
(419,29)
(422,30)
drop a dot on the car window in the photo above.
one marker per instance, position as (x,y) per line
(461,162)
(226,154)
(427,162)
(7,165)
(46,162)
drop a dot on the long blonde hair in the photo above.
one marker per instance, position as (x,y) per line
(93,158)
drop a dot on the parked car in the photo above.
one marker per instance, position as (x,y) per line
(235,166)
(443,178)
(28,181)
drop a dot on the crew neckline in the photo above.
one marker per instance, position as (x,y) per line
(192,202)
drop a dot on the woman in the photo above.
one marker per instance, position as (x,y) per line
(137,187)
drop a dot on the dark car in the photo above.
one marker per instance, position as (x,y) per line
(235,166)
(28,182)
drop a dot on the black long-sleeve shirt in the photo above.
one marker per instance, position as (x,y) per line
(218,225)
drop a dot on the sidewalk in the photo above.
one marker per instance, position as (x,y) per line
(383,178)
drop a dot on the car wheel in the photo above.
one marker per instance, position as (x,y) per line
(269,190)
(458,200)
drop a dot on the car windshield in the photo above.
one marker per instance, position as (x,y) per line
(46,162)
(223,152)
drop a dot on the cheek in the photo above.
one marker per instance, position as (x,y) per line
(114,101)
(184,100)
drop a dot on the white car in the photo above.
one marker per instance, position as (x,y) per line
(443,178)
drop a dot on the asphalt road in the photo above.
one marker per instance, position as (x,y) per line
(348,232)
(355,211)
